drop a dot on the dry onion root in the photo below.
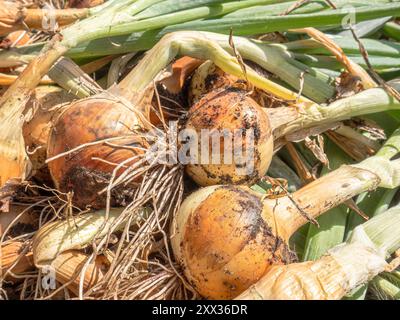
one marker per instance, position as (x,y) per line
(341,270)
(258,229)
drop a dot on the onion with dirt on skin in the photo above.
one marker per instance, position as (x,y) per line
(88,170)
(222,102)
(227,237)
(249,141)
(340,271)
(98,118)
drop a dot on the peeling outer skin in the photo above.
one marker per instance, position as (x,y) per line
(388,171)
(360,259)
(9,254)
(330,278)
(230,110)
(40,115)
(318,280)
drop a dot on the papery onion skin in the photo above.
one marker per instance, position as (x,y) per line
(69,265)
(209,77)
(41,113)
(13,260)
(88,121)
(225,240)
(231,109)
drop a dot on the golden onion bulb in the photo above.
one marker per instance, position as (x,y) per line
(208,77)
(244,157)
(225,238)
(41,114)
(88,170)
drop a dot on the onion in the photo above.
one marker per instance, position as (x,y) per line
(209,77)
(226,237)
(84,122)
(41,113)
(69,264)
(233,110)
(221,101)
(13,260)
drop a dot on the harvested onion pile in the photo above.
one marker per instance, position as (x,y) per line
(152,149)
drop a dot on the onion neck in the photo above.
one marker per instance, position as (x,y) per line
(15,162)
(28,80)
(383,230)
(102,20)
(316,198)
(197,45)
(366,102)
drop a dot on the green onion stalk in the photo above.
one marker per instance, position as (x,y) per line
(386,286)
(140,40)
(349,45)
(392,30)
(322,61)
(332,225)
